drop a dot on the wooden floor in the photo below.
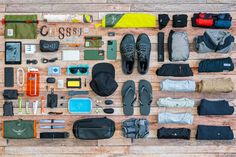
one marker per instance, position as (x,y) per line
(118,145)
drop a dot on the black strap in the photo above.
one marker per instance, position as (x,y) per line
(160,46)
(54,135)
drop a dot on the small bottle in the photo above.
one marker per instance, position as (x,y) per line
(33,78)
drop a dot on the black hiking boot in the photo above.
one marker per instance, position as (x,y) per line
(127,50)
(143,48)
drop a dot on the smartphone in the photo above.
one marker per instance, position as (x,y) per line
(111,49)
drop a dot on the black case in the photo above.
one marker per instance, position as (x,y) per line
(8,76)
(52,100)
(180,20)
(173,133)
(10,94)
(49,46)
(52,135)
(8,109)
(94,128)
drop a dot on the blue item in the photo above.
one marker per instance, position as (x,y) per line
(54,70)
(80,105)
(222,24)
(78,72)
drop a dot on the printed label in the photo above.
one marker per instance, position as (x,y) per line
(227,64)
(87,44)
(10,32)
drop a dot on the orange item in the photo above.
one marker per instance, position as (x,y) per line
(42,105)
(32,83)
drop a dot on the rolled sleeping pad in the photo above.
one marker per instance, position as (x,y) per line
(75,18)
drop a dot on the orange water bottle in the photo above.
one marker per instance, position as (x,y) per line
(32,89)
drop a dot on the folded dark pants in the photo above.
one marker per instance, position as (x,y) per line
(173,133)
(177,70)
(220,107)
(205,132)
(216,65)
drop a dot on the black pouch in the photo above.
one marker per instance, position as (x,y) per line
(94,128)
(8,109)
(163,20)
(173,133)
(52,135)
(52,99)
(10,94)
(220,107)
(180,20)
(176,70)
(205,132)
(49,46)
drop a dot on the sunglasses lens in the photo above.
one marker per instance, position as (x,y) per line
(73,70)
(83,69)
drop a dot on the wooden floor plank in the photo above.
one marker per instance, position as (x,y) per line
(119,146)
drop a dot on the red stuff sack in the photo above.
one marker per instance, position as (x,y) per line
(205,22)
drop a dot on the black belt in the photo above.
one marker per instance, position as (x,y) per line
(54,135)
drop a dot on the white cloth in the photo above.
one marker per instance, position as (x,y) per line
(175,102)
(178,85)
(175,118)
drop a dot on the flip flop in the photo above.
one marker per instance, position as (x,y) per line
(145,97)
(128,97)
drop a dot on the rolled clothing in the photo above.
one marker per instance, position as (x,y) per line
(175,118)
(176,70)
(220,107)
(224,85)
(216,65)
(178,46)
(205,132)
(175,102)
(214,41)
(173,133)
(178,85)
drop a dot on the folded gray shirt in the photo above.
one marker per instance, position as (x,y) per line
(175,118)
(175,102)
(178,85)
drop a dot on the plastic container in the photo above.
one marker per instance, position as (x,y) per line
(80,105)
(33,78)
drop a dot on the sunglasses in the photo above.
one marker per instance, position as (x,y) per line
(82,70)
